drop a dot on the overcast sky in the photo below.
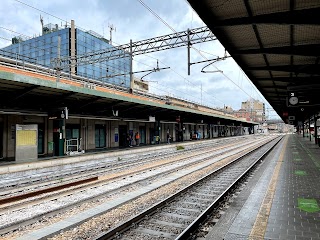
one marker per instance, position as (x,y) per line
(133,21)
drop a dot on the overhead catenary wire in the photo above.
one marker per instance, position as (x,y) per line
(22,43)
(164,22)
(107,66)
(185,79)
(259,94)
(42,11)
(10,30)
(5,39)
(49,15)
(63,20)
(173,30)
(165,86)
(21,34)
(28,5)
(156,15)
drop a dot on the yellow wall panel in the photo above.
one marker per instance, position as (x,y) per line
(26,137)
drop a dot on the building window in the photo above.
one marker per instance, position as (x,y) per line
(72,131)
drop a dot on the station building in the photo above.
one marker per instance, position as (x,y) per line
(89,107)
(42,50)
(69,116)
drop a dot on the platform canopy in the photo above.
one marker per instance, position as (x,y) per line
(277,44)
(31,93)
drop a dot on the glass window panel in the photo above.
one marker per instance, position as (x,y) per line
(75,133)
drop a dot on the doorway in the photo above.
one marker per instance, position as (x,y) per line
(123,136)
(58,146)
(142,132)
(100,136)
(40,139)
(151,139)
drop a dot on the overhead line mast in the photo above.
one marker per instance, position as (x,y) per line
(165,42)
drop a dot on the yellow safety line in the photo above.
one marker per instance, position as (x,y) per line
(259,228)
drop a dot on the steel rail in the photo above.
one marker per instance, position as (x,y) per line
(194,226)
(46,190)
(26,222)
(118,230)
(100,171)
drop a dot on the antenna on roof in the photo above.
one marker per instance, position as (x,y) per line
(41,20)
(112,28)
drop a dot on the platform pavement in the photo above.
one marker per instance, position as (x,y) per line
(282,201)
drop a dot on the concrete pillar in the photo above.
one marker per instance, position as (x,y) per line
(318,124)
(315,130)
(309,129)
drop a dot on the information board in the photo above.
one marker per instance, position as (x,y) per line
(26,142)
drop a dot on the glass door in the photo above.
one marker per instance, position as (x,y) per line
(100,136)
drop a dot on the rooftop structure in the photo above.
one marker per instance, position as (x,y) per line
(73,41)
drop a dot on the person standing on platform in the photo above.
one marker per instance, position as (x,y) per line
(137,138)
(168,137)
(129,140)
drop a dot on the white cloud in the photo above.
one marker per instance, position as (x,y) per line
(134,21)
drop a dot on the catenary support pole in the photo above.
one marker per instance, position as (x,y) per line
(188,46)
(131,74)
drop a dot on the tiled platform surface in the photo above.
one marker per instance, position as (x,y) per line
(295,212)
(294,209)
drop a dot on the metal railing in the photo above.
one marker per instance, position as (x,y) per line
(73,146)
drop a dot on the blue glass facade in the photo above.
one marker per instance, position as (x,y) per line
(41,50)
(114,71)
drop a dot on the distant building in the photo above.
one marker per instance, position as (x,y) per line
(255,110)
(243,113)
(74,41)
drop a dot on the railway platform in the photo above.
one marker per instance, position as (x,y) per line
(281,200)
(278,200)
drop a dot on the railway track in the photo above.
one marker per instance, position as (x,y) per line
(131,184)
(32,190)
(60,175)
(180,215)
(61,201)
